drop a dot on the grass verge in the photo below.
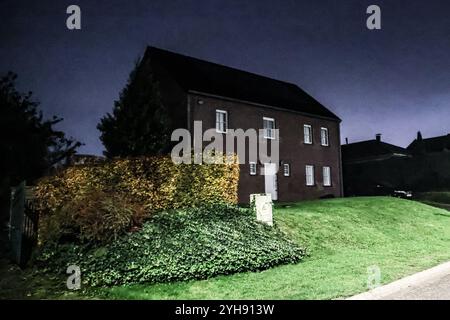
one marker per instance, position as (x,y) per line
(345,237)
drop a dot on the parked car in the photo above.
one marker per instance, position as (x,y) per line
(402,194)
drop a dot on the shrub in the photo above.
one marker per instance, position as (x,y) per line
(94,215)
(87,196)
(180,245)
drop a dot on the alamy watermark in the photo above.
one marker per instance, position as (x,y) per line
(250,145)
(74,280)
(73,21)
(373,277)
(373,22)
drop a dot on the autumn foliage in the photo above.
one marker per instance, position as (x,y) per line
(99,202)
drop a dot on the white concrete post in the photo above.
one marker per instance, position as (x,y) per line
(262,204)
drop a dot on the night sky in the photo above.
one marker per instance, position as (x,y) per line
(393,81)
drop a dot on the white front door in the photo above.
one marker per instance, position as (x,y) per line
(270,179)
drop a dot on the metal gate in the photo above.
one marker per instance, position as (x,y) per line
(23,224)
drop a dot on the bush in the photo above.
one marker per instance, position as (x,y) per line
(180,245)
(95,216)
(97,202)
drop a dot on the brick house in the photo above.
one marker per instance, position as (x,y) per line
(224,98)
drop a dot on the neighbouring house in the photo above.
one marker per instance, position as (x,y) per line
(373,167)
(372,150)
(226,98)
(435,145)
(431,165)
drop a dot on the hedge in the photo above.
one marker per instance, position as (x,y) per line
(148,184)
(178,245)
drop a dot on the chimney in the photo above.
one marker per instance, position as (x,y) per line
(378,137)
(346,140)
(419,136)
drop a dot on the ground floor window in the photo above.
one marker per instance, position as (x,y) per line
(309,170)
(326,176)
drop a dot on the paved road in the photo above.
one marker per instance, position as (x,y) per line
(431,284)
(437,289)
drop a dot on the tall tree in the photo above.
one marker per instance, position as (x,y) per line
(139,123)
(29,145)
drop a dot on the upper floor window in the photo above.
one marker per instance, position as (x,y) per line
(309,172)
(286,170)
(269,128)
(326,176)
(307,134)
(221,121)
(324,136)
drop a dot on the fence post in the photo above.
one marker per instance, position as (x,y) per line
(17,209)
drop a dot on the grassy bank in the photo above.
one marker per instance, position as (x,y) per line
(345,237)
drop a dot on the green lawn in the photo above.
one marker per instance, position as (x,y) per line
(344,237)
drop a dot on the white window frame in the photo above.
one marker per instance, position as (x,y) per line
(218,130)
(266,130)
(310,134)
(286,169)
(309,182)
(324,137)
(253,168)
(326,182)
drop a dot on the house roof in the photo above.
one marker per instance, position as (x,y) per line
(371,149)
(206,77)
(436,144)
